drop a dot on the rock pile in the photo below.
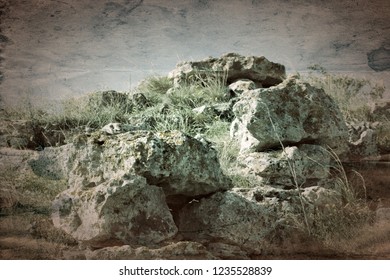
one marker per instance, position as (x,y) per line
(130,186)
(140,189)
(123,188)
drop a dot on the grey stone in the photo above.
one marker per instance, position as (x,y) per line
(232,67)
(290,113)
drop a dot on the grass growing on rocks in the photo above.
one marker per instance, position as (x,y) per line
(165,108)
(354,96)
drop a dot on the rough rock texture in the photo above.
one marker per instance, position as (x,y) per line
(240,86)
(124,211)
(293,113)
(121,185)
(309,164)
(228,218)
(174,161)
(242,222)
(177,251)
(53,162)
(257,69)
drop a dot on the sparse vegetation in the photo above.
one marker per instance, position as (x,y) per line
(167,108)
(355,96)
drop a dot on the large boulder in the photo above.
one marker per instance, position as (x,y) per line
(124,211)
(228,218)
(178,163)
(247,221)
(236,67)
(125,188)
(291,113)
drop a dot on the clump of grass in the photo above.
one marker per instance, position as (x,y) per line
(353,95)
(172,108)
(155,86)
(343,220)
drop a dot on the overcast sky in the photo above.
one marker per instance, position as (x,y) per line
(64,48)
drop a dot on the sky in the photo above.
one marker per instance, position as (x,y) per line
(55,49)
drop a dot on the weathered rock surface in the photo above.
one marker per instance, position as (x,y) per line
(306,165)
(257,69)
(241,86)
(291,113)
(178,163)
(53,162)
(119,211)
(228,218)
(122,185)
(176,251)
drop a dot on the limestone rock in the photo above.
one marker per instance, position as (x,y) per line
(119,211)
(178,163)
(241,86)
(228,218)
(292,112)
(227,251)
(234,66)
(309,164)
(183,250)
(322,197)
(53,162)
(122,185)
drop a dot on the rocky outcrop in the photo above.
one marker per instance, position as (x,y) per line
(123,187)
(119,211)
(232,67)
(228,218)
(134,193)
(304,166)
(243,222)
(178,163)
(183,250)
(291,113)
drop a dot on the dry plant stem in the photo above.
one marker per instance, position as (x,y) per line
(291,166)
